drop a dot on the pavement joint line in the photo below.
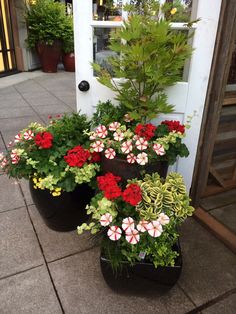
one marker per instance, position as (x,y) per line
(3,140)
(72,254)
(9,210)
(54,95)
(42,252)
(37,114)
(21,272)
(186,294)
(213,301)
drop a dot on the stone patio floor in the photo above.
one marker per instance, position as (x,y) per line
(43,271)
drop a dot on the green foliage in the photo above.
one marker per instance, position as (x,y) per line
(150,56)
(47,167)
(68,38)
(47,22)
(106,113)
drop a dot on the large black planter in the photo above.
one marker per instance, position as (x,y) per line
(125,170)
(142,277)
(64,212)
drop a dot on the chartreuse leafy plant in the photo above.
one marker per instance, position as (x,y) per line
(150,56)
(47,21)
(141,221)
(54,157)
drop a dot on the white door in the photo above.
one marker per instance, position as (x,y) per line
(188,96)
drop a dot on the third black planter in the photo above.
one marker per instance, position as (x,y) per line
(64,212)
(142,277)
(125,170)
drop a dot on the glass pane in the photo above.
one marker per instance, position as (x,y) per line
(180,10)
(1,63)
(107,10)
(101,51)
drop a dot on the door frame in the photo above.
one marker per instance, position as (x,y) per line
(212,111)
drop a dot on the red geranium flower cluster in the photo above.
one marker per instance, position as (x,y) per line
(145,130)
(77,156)
(132,194)
(108,184)
(43,139)
(174,126)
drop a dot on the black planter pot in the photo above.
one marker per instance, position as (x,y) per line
(64,212)
(142,277)
(125,170)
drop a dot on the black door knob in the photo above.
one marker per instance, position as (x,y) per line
(84,86)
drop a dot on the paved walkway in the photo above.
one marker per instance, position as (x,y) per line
(43,271)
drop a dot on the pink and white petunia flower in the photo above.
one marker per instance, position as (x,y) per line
(2,156)
(15,159)
(97,146)
(131,158)
(159,149)
(132,237)
(142,225)
(114,233)
(3,163)
(128,224)
(126,147)
(28,135)
(10,144)
(110,153)
(114,126)
(118,136)
(154,228)
(106,219)
(92,136)
(101,131)
(141,144)
(17,138)
(163,219)
(142,159)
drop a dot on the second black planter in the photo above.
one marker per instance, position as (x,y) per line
(64,212)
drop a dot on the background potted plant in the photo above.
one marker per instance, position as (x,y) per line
(138,226)
(59,167)
(47,24)
(68,56)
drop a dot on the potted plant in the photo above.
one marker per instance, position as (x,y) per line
(68,56)
(138,226)
(59,166)
(149,55)
(128,149)
(47,25)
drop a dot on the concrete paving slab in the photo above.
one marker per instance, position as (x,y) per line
(58,244)
(19,246)
(12,102)
(9,81)
(82,290)
(226,306)
(41,101)
(12,124)
(10,194)
(7,91)
(53,109)
(11,112)
(26,191)
(209,268)
(2,145)
(29,86)
(28,292)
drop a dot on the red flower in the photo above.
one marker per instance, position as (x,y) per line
(145,130)
(95,157)
(174,126)
(43,139)
(132,194)
(108,184)
(77,156)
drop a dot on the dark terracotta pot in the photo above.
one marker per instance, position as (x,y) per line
(68,60)
(142,277)
(122,168)
(49,55)
(64,212)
